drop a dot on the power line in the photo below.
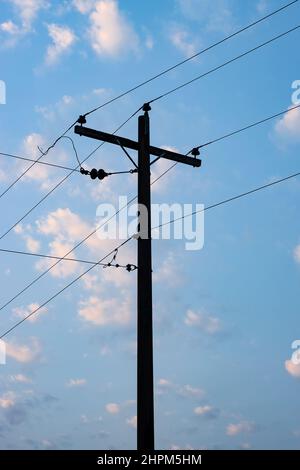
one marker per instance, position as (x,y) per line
(134,198)
(165,172)
(197,54)
(54,165)
(40,276)
(167,93)
(225,201)
(39,255)
(32,165)
(231,199)
(161,96)
(74,147)
(58,139)
(61,181)
(173,67)
(61,291)
(230,134)
(169,69)
(257,123)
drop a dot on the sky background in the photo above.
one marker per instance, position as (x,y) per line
(224,316)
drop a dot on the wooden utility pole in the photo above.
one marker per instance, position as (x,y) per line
(145,394)
(145,386)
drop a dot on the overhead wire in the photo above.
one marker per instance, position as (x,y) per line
(231,199)
(26,159)
(40,255)
(238,57)
(61,181)
(151,101)
(160,74)
(132,200)
(193,56)
(212,206)
(36,310)
(170,168)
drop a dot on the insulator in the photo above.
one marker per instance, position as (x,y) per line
(102,174)
(94,173)
(195,152)
(81,120)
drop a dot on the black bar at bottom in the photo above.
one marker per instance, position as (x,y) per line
(132,459)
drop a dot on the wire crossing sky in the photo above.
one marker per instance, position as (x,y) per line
(43,153)
(69,378)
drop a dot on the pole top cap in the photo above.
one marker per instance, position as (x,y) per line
(146,107)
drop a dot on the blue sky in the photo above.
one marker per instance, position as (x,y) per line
(224,316)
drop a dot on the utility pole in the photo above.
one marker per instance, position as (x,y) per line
(145,386)
(145,393)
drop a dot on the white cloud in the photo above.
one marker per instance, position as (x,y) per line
(64,268)
(292,369)
(206,411)
(238,428)
(168,272)
(24,353)
(28,10)
(23,312)
(112,408)
(212,15)
(102,312)
(9,27)
(63,39)
(84,6)
(202,410)
(162,185)
(262,6)
(3,176)
(132,422)
(149,42)
(40,174)
(21,378)
(164,383)
(289,126)
(207,323)
(57,110)
(7,400)
(105,350)
(65,224)
(65,229)
(186,447)
(297,254)
(30,146)
(189,391)
(76,382)
(181,39)
(110,33)
(32,244)
(84,419)
(19,229)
